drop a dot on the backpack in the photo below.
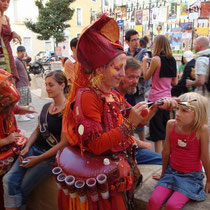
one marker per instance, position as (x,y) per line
(207,83)
(142,53)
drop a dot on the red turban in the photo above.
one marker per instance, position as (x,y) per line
(99,43)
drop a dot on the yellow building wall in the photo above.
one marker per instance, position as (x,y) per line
(86,6)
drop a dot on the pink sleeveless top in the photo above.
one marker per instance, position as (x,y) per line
(185,152)
(161,87)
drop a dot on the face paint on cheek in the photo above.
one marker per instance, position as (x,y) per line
(113,69)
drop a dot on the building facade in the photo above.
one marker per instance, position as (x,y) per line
(85,12)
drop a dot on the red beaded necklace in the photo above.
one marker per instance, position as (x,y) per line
(55,108)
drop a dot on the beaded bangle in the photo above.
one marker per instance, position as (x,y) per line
(127,127)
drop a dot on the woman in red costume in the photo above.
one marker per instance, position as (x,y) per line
(96,123)
(6,58)
(9,132)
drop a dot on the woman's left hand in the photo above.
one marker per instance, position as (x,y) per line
(33,160)
(146,58)
(15,37)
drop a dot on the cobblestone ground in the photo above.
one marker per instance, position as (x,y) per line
(28,127)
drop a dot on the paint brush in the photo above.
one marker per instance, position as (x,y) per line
(158,103)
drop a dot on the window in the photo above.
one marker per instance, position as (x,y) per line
(17,12)
(94,0)
(79,16)
(92,15)
(27,44)
(106,2)
(78,34)
(48,46)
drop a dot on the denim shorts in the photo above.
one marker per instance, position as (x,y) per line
(18,182)
(189,184)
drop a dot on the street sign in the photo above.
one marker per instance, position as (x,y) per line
(120,23)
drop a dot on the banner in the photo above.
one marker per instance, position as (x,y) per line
(139,17)
(163,14)
(184,10)
(176,41)
(205,9)
(194,10)
(186,44)
(186,35)
(202,31)
(139,29)
(172,10)
(186,27)
(145,16)
(155,15)
(158,29)
(121,12)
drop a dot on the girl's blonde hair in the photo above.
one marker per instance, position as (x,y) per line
(200,107)
(162,47)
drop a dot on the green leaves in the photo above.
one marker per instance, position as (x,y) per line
(52,19)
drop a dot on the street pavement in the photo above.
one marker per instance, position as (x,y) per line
(37,102)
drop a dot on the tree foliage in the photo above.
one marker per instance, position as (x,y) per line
(52,19)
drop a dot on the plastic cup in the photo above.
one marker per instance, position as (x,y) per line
(103,185)
(101,178)
(61,180)
(70,181)
(91,183)
(56,171)
(80,188)
(10,159)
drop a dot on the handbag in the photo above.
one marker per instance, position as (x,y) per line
(46,134)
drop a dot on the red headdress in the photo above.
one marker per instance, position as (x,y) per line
(97,46)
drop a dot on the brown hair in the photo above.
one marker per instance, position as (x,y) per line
(132,63)
(162,47)
(144,41)
(60,78)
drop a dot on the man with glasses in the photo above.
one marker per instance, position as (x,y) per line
(132,40)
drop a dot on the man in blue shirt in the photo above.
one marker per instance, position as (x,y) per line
(132,40)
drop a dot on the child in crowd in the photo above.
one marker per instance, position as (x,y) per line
(185,150)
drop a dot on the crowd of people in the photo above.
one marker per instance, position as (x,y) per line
(98,114)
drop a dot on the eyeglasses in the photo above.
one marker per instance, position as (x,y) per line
(135,40)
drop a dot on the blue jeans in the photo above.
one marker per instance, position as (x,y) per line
(19,181)
(146,156)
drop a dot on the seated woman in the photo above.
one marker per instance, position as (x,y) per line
(98,125)
(34,163)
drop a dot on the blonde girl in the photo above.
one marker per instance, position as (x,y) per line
(186,149)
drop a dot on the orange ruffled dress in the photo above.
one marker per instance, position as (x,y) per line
(109,117)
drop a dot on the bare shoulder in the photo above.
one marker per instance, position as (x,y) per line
(203,132)
(171,122)
(156,60)
(7,18)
